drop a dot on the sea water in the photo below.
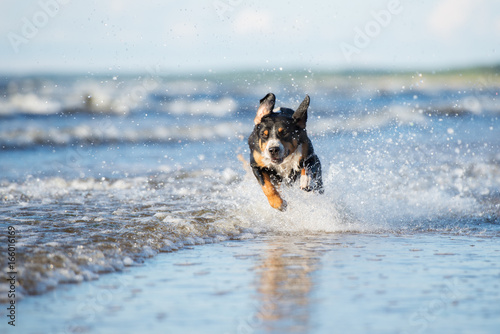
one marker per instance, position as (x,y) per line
(101,173)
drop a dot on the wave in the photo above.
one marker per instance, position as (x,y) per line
(202,96)
(76,229)
(217,108)
(108,130)
(101,103)
(105,132)
(113,96)
(394,114)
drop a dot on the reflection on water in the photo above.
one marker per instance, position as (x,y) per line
(315,284)
(285,283)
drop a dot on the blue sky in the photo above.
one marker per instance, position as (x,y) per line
(226,35)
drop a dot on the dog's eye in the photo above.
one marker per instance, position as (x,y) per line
(282,132)
(265,134)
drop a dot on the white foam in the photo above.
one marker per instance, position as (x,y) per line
(395,114)
(33,135)
(29,104)
(218,108)
(363,200)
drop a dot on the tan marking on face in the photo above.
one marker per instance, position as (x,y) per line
(262,145)
(303,172)
(280,130)
(271,193)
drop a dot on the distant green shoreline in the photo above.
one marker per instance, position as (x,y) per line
(489,73)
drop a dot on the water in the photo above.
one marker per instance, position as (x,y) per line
(99,174)
(323,283)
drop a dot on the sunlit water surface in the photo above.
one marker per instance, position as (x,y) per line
(97,175)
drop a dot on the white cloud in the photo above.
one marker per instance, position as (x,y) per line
(250,21)
(449,16)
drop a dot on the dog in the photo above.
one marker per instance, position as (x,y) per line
(280,150)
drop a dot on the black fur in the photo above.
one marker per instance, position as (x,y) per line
(293,134)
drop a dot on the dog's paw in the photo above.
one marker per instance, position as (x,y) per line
(306,181)
(283,206)
(309,183)
(277,203)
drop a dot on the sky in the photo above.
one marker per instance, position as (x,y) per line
(108,36)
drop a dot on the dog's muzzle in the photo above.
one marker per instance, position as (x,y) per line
(276,154)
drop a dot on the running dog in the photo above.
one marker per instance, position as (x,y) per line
(280,150)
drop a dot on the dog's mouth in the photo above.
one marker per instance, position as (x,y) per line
(276,153)
(276,160)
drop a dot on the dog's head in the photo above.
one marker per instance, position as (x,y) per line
(279,132)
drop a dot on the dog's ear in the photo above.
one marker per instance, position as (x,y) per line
(265,108)
(300,116)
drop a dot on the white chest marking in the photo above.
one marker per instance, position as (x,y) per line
(289,164)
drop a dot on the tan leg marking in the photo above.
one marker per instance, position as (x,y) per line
(305,179)
(272,194)
(258,158)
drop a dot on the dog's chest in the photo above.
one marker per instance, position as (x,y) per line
(290,163)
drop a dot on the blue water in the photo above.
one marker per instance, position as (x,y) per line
(101,173)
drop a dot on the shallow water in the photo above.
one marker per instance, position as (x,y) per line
(101,174)
(323,283)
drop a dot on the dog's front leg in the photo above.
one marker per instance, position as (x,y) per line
(269,190)
(272,194)
(310,175)
(306,179)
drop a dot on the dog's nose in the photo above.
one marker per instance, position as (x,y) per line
(275,150)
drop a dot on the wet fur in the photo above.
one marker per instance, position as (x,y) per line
(281,151)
